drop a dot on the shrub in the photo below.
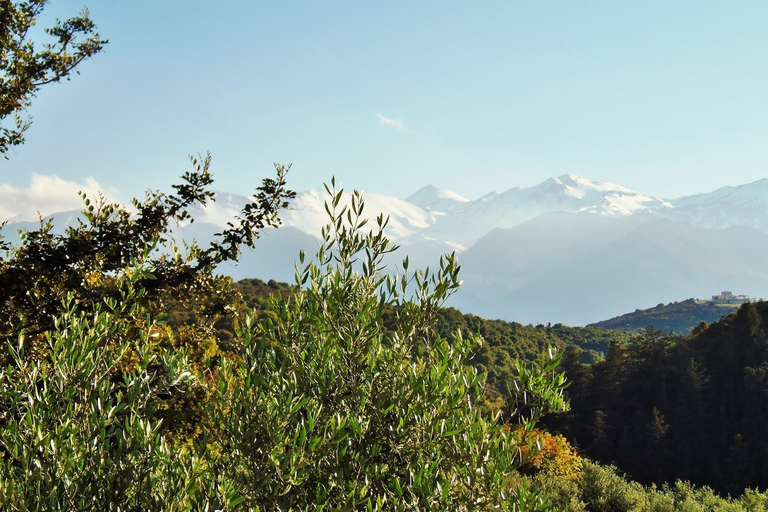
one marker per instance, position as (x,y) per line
(76,430)
(551,454)
(329,407)
(603,490)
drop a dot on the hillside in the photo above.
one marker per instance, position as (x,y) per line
(646,401)
(516,340)
(674,318)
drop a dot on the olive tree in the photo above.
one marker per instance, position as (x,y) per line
(330,407)
(347,398)
(76,420)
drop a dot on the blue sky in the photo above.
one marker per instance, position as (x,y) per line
(666,97)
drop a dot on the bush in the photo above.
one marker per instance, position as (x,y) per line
(549,453)
(328,406)
(603,490)
(76,431)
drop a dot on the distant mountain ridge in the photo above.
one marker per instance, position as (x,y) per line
(568,250)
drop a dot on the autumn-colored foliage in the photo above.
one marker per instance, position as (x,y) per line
(550,453)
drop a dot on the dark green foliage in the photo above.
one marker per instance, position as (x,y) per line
(256,293)
(664,408)
(86,260)
(507,342)
(527,341)
(25,66)
(674,318)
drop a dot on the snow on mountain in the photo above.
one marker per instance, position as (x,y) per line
(307,213)
(62,221)
(464,224)
(567,250)
(744,205)
(437,199)
(575,193)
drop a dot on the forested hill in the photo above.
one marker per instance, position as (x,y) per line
(693,408)
(517,340)
(507,341)
(674,318)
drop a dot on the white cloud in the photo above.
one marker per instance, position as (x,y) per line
(46,194)
(391,122)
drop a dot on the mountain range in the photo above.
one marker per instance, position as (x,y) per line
(568,250)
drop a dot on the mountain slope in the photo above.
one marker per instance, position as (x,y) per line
(577,269)
(675,317)
(745,205)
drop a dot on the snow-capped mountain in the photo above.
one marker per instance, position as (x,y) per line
(744,205)
(465,224)
(568,250)
(436,199)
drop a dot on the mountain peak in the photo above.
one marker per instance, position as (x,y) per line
(574,180)
(571,188)
(431,197)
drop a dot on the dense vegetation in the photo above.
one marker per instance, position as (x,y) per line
(324,402)
(646,402)
(664,408)
(504,342)
(134,378)
(601,488)
(673,318)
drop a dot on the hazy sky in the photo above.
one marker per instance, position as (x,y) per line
(666,97)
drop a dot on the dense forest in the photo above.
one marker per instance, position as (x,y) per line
(661,408)
(664,408)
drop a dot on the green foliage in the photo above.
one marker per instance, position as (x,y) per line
(76,431)
(322,405)
(504,342)
(666,408)
(328,406)
(25,67)
(88,258)
(603,489)
(508,342)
